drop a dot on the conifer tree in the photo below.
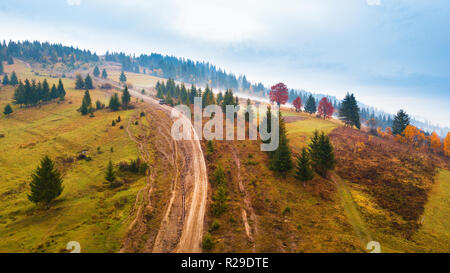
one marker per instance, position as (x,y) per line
(46,183)
(126,97)
(79,82)
(114,102)
(310,106)
(123,78)
(45,93)
(13,80)
(304,170)
(249,111)
(401,120)
(54,92)
(281,160)
(96,71)
(1,67)
(7,110)
(88,82)
(5,80)
(61,91)
(110,174)
(349,111)
(86,104)
(104,74)
(321,153)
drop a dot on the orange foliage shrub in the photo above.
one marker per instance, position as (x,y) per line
(447,145)
(435,142)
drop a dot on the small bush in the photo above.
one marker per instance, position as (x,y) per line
(121,127)
(214,226)
(208,242)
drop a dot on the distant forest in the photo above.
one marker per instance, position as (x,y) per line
(181,69)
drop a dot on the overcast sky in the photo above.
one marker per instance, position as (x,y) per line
(391,53)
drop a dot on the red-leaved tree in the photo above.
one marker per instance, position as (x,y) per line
(279,93)
(325,109)
(297,104)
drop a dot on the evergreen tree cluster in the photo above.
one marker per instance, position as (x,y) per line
(44,52)
(32,93)
(170,91)
(85,83)
(198,73)
(10,81)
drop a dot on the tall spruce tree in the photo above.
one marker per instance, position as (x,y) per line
(321,153)
(401,120)
(96,71)
(304,171)
(281,161)
(310,106)
(86,104)
(46,183)
(5,80)
(79,82)
(114,103)
(122,77)
(110,174)
(104,74)
(126,97)
(13,80)
(88,82)
(349,111)
(53,92)
(61,91)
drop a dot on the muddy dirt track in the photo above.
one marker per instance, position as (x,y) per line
(181,229)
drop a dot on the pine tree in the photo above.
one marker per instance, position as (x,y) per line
(304,170)
(126,97)
(249,111)
(7,110)
(219,205)
(86,104)
(61,91)
(281,160)
(401,120)
(79,82)
(110,175)
(13,80)
(5,79)
(54,92)
(88,82)
(123,78)
(96,71)
(310,106)
(45,94)
(349,111)
(104,74)
(114,103)
(46,183)
(1,67)
(321,153)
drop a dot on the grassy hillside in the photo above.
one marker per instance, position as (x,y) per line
(396,189)
(87,211)
(289,217)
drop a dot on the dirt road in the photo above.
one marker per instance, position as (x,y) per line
(194,191)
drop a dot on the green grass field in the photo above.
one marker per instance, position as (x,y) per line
(301,130)
(87,211)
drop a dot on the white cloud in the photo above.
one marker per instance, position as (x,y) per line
(73,2)
(373,2)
